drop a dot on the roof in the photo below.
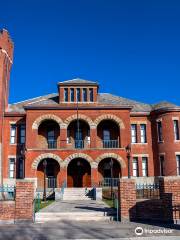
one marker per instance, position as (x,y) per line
(77,81)
(162,105)
(104,99)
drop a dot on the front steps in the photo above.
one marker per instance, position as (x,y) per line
(76,210)
(71,194)
(43,217)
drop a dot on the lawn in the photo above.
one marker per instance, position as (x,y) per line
(41,204)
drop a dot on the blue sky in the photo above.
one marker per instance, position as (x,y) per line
(132,48)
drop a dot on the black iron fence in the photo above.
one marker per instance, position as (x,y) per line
(147,191)
(7,192)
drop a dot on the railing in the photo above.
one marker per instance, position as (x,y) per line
(51,183)
(147,191)
(110,143)
(52,144)
(7,192)
(109,182)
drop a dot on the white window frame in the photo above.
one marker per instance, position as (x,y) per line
(135,167)
(13,133)
(143,133)
(134,133)
(145,166)
(12,164)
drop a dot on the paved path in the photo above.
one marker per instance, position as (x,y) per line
(80,230)
(77,206)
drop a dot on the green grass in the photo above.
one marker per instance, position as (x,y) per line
(43,204)
(109,202)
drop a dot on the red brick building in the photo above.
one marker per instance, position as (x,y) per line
(83,134)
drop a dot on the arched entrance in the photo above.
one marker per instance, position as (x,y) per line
(109,168)
(79,173)
(52,173)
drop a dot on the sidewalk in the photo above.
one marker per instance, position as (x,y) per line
(82,230)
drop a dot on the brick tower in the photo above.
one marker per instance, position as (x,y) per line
(6,58)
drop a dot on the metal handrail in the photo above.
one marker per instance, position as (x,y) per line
(110,143)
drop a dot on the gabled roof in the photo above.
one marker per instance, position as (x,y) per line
(78,81)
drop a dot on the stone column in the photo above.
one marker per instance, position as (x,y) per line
(24,209)
(127,199)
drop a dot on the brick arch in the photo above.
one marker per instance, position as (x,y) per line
(46,155)
(77,155)
(42,118)
(110,117)
(81,117)
(111,155)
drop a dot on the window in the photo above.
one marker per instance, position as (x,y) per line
(84,95)
(11,167)
(22,134)
(144,166)
(176,129)
(78,95)
(159,128)
(91,97)
(72,94)
(21,168)
(143,133)
(106,135)
(178,164)
(135,167)
(134,133)
(51,139)
(162,165)
(66,94)
(13,134)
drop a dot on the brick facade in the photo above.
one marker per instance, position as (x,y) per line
(105,111)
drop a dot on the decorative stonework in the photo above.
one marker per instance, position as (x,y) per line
(77,155)
(110,117)
(46,155)
(111,155)
(81,117)
(42,118)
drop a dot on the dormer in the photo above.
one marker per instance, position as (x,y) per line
(78,90)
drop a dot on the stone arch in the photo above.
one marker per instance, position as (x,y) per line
(46,155)
(81,117)
(111,155)
(109,117)
(78,155)
(42,118)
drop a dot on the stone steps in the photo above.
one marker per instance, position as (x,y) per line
(76,194)
(42,217)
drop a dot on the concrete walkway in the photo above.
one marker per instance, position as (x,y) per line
(81,210)
(77,206)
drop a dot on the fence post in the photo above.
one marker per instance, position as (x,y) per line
(24,209)
(127,199)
